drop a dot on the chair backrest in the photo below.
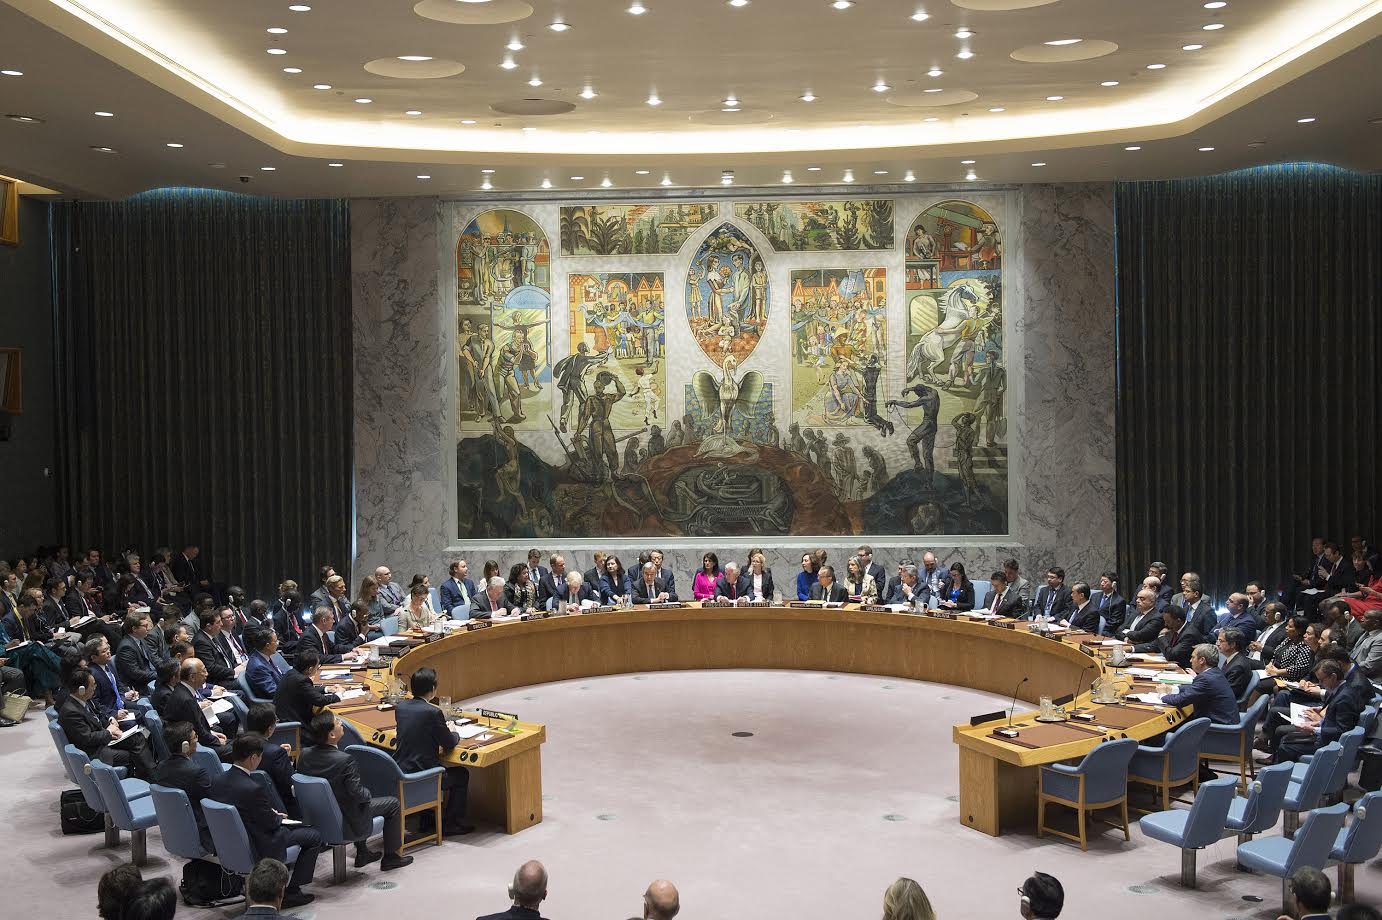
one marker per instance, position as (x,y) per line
(1315,838)
(1253,681)
(1205,823)
(113,794)
(229,837)
(1106,770)
(79,766)
(1183,746)
(177,823)
(60,741)
(389,626)
(320,808)
(1263,807)
(154,723)
(1349,743)
(1317,773)
(378,771)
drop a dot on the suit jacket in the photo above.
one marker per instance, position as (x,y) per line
(1086,617)
(1113,607)
(1211,696)
(220,666)
(182,705)
(1009,604)
(1142,627)
(181,772)
(313,638)
(450,594)
(236,788)
(83,728)
(837,592)
(1342,707)
(298,698)
(134,664)
(339,769)
(1174,647)
(109,698)
(639,590)
(1237,672)
(741,587)
(1061,605)
(263,675)
(421,734)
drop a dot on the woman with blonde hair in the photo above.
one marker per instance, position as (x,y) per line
(904,900)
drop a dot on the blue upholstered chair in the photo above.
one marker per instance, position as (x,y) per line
(321,810)
(132,815)
(1281,856)
(1359,842)
(1261,808)
(60,742)
(1233,743)
(231,841)
(1175,762)
(80,767)
(1334,785)
(154,723)
(416,792)
(177,824)
(1098,781)
(1193,829)
(1305,793)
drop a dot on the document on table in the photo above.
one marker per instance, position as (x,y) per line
(353,693)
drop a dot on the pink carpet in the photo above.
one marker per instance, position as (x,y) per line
(846,783)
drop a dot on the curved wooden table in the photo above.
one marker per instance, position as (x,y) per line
(997,778)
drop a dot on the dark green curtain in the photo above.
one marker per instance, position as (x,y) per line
(204,379)
(1248,382)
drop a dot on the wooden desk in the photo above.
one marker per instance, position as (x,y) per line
(997,778)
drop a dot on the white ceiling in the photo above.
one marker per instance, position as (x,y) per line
(197,73)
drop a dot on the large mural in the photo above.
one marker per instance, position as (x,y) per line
(695,397)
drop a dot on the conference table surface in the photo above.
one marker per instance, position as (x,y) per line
(997,776)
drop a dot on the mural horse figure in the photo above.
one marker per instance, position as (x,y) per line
(929,353)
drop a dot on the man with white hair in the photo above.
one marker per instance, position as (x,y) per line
(731,585)
(489,602)
(528,891)
(648,588)
(575,592)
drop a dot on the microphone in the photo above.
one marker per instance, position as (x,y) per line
(1010,731)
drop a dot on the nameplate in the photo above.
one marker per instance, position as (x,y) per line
(472,625)
(496,714)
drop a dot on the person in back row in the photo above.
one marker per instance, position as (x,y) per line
(421,734)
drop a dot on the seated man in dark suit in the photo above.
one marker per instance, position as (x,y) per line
(648,589)
(277,763)
(732,586)
(93,735)
(1004,599)
(528,891)
(1112,606)
(1343,704)
(322,757)
(458,590)
(1085,616)
(826,587)
(1144,622)
(133,663)
(1177,640)
(1053,598)
(263,824)
(184,704)
(298,698)
(262,673)
(422,733)
(1233,660)
(1209,692)
(180,771)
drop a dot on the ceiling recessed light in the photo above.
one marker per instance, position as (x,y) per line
(1156,66)
(934,72)
(930,118)
(292,70)
(1054,98)
(1191,47)
(414,58)
(487,171)
(1109,83)
(467,121)
(1306,120)
(335,165)
(577,178)
(589,93)
(997,108)
(653,99)
(920,16)
(174,145)
(881,87)
(546,183)
(808,96)
(300,8)
(508,63)
(637,9)
(12,73)
(1134,147)
(966,162)
(1213,27)
(910,177)
(413,112)
(963,33)
(363,101)
(841,4)
(276,51)
(666,180)
(605,182)
(1216,4)
(559,25)
(424,176)
(276,30)
(1206,149)
(964,55)
(104,149)
(268,168)
(1038,164)
(321,85)
(535,81)
(105,114)
(849,175)
(514,45)
(1065,41)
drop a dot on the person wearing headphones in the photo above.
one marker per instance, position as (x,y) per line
(1042,897)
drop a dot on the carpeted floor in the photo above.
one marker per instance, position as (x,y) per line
(845,783)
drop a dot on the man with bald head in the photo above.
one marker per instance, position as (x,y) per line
(661,901)
(528,890)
